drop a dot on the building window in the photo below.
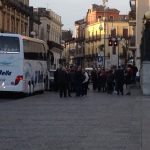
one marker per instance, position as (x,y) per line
(99,18)
(111,18)
(26,27)
(125,32)
(88,51)
(22,27)
(12,24)
(17,26)
(113,32)
(8,24)
(48,31)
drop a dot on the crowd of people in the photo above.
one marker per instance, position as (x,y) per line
(77,79)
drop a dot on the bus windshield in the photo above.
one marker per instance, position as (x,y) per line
(9,44)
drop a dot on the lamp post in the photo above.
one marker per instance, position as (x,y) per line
(118,40)
(104,5)
(100,53)
(100,28)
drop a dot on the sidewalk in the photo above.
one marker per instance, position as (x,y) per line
(144,115)
(136,90)
(145,123)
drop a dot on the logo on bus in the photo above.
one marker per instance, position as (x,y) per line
(5,73)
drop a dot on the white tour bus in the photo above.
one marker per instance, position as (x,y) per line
(23,64)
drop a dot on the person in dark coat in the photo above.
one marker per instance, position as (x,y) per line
(99,80)
(62,82)
(72,78)
(68,82)
(110,82)
(119,80)
(79,78)
(135,70)
(94,79)
(103,80)
(56,80)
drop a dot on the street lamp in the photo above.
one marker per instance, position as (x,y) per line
(100,28)
(118,39)
(104,19)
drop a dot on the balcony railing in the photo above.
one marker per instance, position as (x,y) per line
(93,38)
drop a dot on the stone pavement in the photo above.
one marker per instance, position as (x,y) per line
(145,123)
(98,121)
(144,115)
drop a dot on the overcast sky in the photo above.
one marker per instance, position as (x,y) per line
(72,10)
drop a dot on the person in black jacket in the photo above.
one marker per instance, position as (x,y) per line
(103,80)
(68,82)
(94,78)
(119,79)
(56,80)
(79,78)
(99,80)
(62,82)
(110,82)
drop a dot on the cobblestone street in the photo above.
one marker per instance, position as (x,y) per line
(96,122)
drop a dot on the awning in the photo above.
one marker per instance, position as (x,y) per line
(52,44)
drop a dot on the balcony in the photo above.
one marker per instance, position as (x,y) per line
(132,18)
(93,38)
(52,44)
(80,39)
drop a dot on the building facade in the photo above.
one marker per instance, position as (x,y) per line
(136,16)
(142,48)
(50,30)
(69,52)
(66,40)
(80,27)
(34,24)
(141,8)
(104,25)
(14,16)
